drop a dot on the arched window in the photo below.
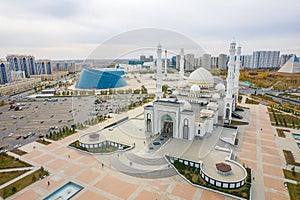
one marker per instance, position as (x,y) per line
(148,122)
(227,113)
(185,129)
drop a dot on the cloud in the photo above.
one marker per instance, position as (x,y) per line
(57,24)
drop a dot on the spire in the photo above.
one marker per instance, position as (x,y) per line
(159,73)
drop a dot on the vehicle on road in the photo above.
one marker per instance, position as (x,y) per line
(11,134)
(18,137)
(17,146)
(32,133)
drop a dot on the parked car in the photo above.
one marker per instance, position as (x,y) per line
(18,137)
(17,146)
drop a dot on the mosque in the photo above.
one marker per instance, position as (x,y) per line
(197,103)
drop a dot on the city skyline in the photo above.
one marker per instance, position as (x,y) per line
(73,29)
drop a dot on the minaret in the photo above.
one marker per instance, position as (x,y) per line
(159,93)
(230,84)
(166,62)
(237,75)
(181,65)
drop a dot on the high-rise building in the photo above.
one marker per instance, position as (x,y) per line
(173,61)
(142,58)
(150,58)
(222,61)
(189,62)
(206,61)
(265,59)
(5,76)
(197,63)
(43,67)
(214,62)
(284,58)
(246,61)
(22,63)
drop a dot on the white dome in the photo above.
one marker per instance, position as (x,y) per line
(220,86)
(201,77)
(182,84)
(215,96)
(195,88)
(186,105)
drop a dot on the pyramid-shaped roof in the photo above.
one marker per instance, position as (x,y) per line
(291,66)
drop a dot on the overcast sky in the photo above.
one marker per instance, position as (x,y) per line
(72,29)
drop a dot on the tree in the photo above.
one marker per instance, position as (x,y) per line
(165,88)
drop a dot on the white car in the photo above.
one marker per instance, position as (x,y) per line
(11,134)
(17,146)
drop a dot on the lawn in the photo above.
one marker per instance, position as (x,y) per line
(7,161)
(44,142)
(281,133)
(18,152)
(288,174)
(251,101)
(289,158)
(7,176)
(294,191)
(279,118)
(238,123)
(22,183)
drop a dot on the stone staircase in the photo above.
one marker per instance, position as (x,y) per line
(139,165)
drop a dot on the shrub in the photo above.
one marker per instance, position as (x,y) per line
(13,189)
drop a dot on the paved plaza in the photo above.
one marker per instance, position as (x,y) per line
(257,149)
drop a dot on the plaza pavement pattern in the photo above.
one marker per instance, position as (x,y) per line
(259,150)
(66,164)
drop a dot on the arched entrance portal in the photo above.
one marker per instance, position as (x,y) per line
(167,124)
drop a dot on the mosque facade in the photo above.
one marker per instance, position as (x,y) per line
(197,103)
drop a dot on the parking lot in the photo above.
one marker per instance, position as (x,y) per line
(39,116)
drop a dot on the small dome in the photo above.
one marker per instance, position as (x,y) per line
(216,96)
(195,88)
(201,77)
(220,86)
(186,105)
(182,84)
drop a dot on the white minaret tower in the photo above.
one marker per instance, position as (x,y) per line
(159,93)
(237,75)
(181,65)
(230,83)
(166,62)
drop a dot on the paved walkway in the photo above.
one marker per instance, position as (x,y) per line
(259,151)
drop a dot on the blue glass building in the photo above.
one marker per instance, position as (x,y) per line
(101,79)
